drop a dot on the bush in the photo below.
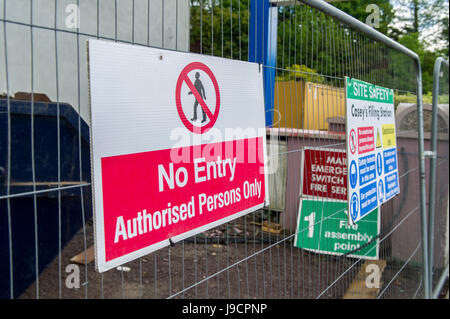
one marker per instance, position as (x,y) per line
(300,73)
(412,98)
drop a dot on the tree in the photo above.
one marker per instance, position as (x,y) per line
(220,27)
(443,36)
(322,47)
(362,10)
(427,58)
(422,26)
(418,16)
(320,43)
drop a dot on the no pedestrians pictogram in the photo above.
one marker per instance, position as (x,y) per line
(209,115)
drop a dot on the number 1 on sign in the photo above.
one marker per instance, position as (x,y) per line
(310,219)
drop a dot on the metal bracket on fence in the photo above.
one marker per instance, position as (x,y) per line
(429,154)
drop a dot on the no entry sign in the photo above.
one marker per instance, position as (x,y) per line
(178,146)
(371,147)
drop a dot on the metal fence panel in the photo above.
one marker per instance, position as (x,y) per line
(45,195)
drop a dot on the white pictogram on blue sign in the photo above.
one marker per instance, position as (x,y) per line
(380,190)
(354,206)
(353,174)
(379,164)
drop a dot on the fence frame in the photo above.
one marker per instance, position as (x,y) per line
(432,187)
(331,11)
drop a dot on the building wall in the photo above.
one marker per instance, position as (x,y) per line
(158,23)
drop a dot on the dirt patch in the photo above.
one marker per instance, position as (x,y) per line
(235,260)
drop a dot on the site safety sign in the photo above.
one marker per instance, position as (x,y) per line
(178,146)
(371,147)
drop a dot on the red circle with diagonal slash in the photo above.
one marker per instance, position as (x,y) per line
(352,141)
(183,78)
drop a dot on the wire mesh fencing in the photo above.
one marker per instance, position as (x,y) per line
(45,182)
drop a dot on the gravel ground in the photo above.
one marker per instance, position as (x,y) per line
(279,271)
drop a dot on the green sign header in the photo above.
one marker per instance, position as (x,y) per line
(361,90)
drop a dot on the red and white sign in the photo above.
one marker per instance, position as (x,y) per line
(366,140)
(324,173)
(178,146)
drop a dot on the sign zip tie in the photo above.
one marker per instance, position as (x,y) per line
(172,244)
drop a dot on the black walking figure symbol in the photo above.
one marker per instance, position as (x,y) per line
(201,90)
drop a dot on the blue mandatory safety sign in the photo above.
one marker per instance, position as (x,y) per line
(391,185)
(353,176)
(368,198)
(390,160)
(367,169)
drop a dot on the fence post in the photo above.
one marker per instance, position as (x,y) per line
(433,149)
(422,186)
(263,47)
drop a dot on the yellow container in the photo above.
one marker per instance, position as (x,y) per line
(307,105)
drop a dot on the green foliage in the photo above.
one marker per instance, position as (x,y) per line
(308,37)
(359,11)
(411,98)
(300,73)
(314,47)
(443,36)
(427,98)
(215,30)
(443,99)
(427,58)
(414,16)
(423,14)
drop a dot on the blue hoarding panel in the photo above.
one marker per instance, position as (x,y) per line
(263,47)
